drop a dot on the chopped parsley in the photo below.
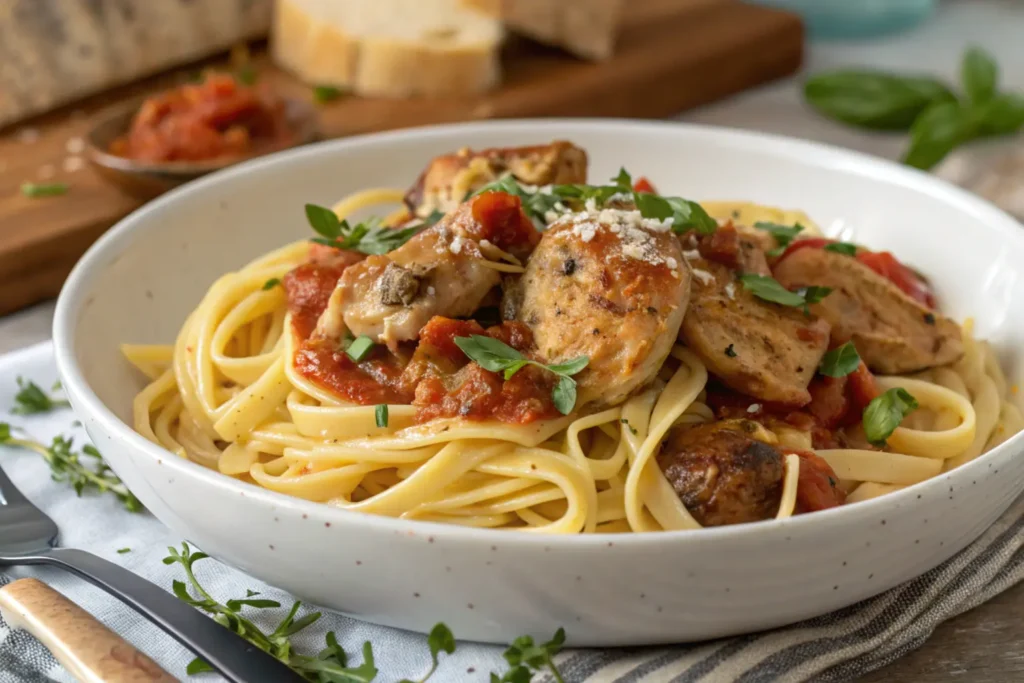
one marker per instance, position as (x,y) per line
(36,190)
(845,248)
(359,348)
(730,351)
(327,93)
(381,415)
(783,234)
(271,283)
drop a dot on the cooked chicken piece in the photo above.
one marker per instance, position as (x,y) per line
(758,348)
(892,332)
(440,271)
(610,286)
(449,178)
(722,472)
(739,249)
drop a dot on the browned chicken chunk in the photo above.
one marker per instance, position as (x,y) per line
(440,271)
(761,349)
(449,178)
(892,332)
(608,285)
(722,473)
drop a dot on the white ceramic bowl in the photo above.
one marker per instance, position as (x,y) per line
(141,279)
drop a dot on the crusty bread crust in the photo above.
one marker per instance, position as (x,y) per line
(321,53)
(587,28)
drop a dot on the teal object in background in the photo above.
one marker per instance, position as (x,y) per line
(856,18)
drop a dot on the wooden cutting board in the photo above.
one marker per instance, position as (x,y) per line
(672,55)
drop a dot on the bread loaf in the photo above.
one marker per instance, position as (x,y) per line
(587,28)
(390,48)
(52,52)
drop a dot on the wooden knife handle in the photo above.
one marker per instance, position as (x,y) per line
(90,651)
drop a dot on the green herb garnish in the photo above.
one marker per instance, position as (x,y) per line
(247,74)
(84,470)
(497,356)
(783,234)
(845,248)
(31,400)
(885,413)
(359,348)
(937,119)
(730,351)
(122,551)
(368,237)
(381,415)
(327,93)
(271,283)
(525,658)
(44,189)
(631,428)
(769,289)
(840,361)
(331,665)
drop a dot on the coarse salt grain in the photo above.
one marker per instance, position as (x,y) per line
(753,408)
(456,246)
(671,263)
(730,290)
(75,145)
(430,291)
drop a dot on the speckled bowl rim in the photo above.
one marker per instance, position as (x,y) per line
(77,289)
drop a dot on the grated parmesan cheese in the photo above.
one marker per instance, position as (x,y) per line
(75,145)
(703,275)
(671,263)
(691,254)
(730,290)
(753,408)
(431,291)
(456,246)
(72,164)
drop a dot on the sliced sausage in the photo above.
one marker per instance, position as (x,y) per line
(722,473)
(449,178)
(892,332)
(609,286)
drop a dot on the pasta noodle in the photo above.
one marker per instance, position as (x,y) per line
(227,395)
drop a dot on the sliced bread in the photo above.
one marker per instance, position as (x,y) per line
(389,48)
(587,28)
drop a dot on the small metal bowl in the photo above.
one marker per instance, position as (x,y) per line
(147,179)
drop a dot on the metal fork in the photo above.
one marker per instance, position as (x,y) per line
(28,536)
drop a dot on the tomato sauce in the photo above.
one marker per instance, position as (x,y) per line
(217,118)
(309,288)
(817,486)
(501,221)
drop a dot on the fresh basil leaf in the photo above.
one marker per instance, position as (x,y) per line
(570,367)
(247,75)
(564,394)
(690,215)
(938,130)
(507,184)
(490,354)
(271,283)
(783,234)
(813,294)
(979,73)
(840,361)
(873,99)
(359,348)
(653,206)
(1001,115)
(885,413)
(381,240)
(845,248)
(324,221)
(380,415)
(624,181)
(769,289)
(197,666)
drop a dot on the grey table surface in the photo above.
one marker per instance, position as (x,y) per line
(986,644)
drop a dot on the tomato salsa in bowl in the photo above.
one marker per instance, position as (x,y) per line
(185,132)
